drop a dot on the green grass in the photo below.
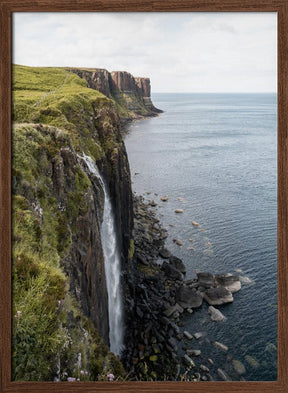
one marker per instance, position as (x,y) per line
(53,109)
(56,97)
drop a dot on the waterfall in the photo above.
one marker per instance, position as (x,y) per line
(112,265)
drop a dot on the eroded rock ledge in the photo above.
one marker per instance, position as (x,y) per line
(132,95)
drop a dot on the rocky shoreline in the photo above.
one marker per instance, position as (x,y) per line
(157,300)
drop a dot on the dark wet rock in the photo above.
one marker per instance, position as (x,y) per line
(231,282)
(197,377)
(188,361)
(177,263)
(171,310)
(139,312)
(175,328)
(164,253)
(218,296)
(188,297)
(141,259)
(171,271)
(173,343)
(205,279)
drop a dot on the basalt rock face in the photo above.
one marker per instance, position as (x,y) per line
(98,79)
(125,82)
(84,263)
(144,86)
(131,95)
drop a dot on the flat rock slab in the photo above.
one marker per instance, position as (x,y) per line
(188,297)
(230,281)
(205,279)
(218,296)
(216,315)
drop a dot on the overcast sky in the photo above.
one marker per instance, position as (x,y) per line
(180,52)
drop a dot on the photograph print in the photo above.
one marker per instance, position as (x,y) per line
(144,196)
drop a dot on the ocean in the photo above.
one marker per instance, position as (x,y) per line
(215,157)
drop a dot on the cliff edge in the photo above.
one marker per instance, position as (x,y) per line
(131,95)
(61,326)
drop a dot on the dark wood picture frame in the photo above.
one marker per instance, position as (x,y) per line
(7,7)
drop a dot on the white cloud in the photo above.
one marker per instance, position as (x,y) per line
(178,51)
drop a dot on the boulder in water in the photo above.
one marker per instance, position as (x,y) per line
(252,361)
(171,272)
(188,361)
(216,315)
(188,297)
(199,335)
(218,296)
(204,368)
(205,279)
(164,253)
(193,352)
(176,262)
(187,335)
(230,281)
(179,211)
(238,367)
(221,346)
(164,198)
(223,375)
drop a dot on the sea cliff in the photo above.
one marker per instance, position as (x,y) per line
(58,264)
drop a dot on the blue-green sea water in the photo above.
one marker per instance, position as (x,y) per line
(218,154)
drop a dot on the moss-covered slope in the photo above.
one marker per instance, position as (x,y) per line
(60,322)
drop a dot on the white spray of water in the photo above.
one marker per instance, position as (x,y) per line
(112,265)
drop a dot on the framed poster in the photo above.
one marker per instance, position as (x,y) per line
(146,250)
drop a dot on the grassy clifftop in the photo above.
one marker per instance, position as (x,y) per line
(59,98)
